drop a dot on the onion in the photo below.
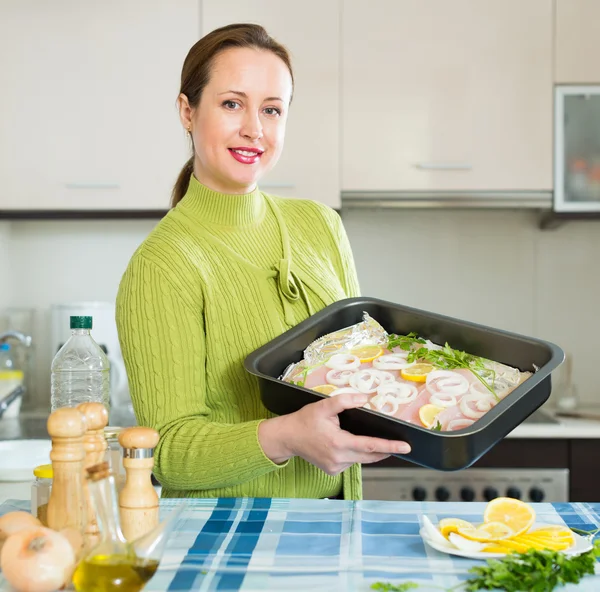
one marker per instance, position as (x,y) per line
(444,381)
(37,560)
(386,376)
(402,392)
(345,390)
(366,381)
(443,399)
(459,424)
(482,405)
(339,377)
(390,362)
(343,362)
(13,522)
(381,401)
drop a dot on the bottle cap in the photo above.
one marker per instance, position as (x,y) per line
(81,322)
(43,472)
(4,346)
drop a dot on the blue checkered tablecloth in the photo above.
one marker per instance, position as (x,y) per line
(320,545)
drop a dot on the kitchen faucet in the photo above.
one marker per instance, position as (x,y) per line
(25,340)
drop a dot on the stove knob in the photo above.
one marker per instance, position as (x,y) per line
(419,494)
(513,492)
(490,493)
(536,494)
(442,494)
(467,494)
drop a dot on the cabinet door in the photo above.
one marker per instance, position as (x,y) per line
(88,102)
(577,41)
(442,95)
(309,165)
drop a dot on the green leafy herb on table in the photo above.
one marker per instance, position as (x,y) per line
(533,571)
(386,587)
(446,358)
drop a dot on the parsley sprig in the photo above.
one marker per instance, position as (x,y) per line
(532,571)
(446,358)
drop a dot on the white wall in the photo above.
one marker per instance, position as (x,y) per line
(492,267)
(67,261)
(5,275)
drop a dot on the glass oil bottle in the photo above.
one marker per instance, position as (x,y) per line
(115,564)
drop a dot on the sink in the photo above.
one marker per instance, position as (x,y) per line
(18,458)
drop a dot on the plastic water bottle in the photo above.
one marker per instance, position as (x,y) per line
(80,369)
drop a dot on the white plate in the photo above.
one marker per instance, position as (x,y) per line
(581,545)
(18,458)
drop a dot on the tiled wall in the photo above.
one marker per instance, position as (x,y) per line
(5,279)
(493,267)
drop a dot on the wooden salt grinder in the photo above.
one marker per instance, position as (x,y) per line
(95,446)
(138,500)
(66,505)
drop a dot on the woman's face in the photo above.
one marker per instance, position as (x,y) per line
(238,127)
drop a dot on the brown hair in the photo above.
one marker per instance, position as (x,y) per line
(195,73)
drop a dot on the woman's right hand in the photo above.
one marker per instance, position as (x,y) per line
(314,434)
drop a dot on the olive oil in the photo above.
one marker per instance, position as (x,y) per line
(118,573)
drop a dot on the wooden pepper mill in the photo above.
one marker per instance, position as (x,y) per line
(138,500)
(66,505)
(95,445)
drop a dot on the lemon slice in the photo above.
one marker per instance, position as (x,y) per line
(487,533)
(541,543)
(514,513)
(449,525)
(367,353)
(417,372)
(428,413)
(324,389)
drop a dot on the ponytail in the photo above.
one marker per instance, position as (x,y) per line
(182,183)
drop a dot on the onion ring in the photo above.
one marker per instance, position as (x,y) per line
(343,362)
(390,362)
(380,402)
(444,381)
(443,399)
(459,424)
(345,390)
(339,377)
(402,392)
(366,380)
(385,376)
(482,405)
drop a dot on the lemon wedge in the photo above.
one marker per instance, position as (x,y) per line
(324,389)
(487,533)
(428,413)
(417,372)
(367,353)
(449,525)
(515,514)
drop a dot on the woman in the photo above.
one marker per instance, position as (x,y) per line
(227,270)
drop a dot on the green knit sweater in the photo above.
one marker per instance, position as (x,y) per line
(219,276)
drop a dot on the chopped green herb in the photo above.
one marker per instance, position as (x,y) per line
(387,587)
(437,427)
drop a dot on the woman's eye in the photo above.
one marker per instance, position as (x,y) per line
(273,111)
(231,104)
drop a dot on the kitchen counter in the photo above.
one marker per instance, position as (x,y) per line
(252,545)
(33,425)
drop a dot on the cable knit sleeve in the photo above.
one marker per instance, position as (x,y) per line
(162,339)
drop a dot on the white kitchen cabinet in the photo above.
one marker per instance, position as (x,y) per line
(440,95)
(309,165)
(577,42)
(88,103)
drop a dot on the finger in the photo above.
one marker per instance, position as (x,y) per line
(335,405)
(366,459)
(367,444)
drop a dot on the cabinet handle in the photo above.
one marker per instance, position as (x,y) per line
(278,185)
(444,166)
(92,185)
